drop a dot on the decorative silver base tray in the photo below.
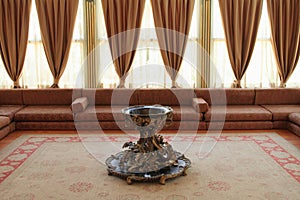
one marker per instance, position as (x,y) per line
(162,175)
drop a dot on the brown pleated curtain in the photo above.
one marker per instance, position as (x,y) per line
(123,21)
(172,20)
(240,21)
(57,20)
(14,23)
(284,17)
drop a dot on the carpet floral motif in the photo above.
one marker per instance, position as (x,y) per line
(81,187)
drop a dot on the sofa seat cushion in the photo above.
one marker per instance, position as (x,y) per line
(281,112)
(108,113)
(101,113)
(45,125)
(45,113)
(7,129)
(240,125)
(238,113)
(4,121)
(294,128)
(10,110)
(185,113)
(295,118)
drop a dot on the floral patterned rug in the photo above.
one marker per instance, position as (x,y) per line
(240,166)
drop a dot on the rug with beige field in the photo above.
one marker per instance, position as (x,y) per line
(239,166)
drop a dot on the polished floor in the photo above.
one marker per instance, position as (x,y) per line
(290,137)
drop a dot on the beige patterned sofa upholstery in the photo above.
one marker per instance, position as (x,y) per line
(47,109)
(105,107)
(234,109)
(194,109)
(294,123)
(11,101)
(280,102)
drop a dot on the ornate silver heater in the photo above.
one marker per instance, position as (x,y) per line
(151,158)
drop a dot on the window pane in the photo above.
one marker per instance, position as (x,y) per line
(36,72)
(221,74)
(294,80)
(73,69)
(5,81)
(262,70)
(148,68)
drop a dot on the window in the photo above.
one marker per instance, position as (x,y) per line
(148,69)
(262,71)
(36,72)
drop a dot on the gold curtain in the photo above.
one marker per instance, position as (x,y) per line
(241,21)
(57,19)
(123,21)
(172,20)
(284,17)
(14,23)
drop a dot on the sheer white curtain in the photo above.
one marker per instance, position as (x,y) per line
(148,70)
(5,81)
(262,70)
(36,72)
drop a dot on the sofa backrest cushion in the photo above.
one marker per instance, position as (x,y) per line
(111,96)
(227,96)
(166,97)
(11,97)
(283,96)
(50,96)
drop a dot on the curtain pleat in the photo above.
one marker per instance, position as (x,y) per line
(14,23)
(57,19)
(240,21)
(172,20)
(123,21)
(284,18)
